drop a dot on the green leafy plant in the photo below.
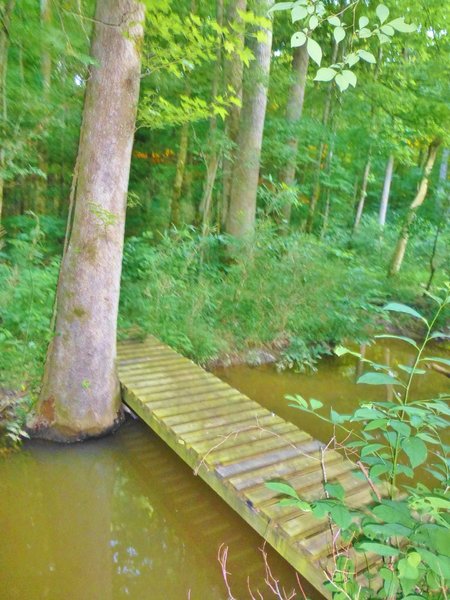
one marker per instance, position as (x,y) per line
(399,446)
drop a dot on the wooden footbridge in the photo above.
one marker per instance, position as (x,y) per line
(235,445)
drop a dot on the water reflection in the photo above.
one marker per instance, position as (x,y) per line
(118,518)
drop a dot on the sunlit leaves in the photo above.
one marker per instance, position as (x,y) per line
(325,74)
(314,51)
(382,12)
(298,39)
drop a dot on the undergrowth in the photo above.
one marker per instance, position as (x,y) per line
(296,291)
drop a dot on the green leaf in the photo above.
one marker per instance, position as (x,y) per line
(403,308)
(314,51)
(363,21)
(298,13)
(402,338)
(407,569)
(371,449)
(313,22)
(382,12)
(335,490)
(401,428)
(367,56)
(377,424)
(437,562)
(325,74)
(410,370)
(280,6)
(298,39)
(335,21)
(282,488)
(341,350)
(364,33)
(378,379)
(342,82)
(385,530)
(376,548)
(315,404)
(350,77)
(341,516)
(438,359)
(387,30)
(352,59)
(339,34)
(416,451)
(400,25)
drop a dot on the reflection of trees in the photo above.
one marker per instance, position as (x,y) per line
(55,523)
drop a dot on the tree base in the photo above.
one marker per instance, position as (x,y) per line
(37,428)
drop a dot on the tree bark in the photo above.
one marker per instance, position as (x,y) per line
(6,14)
(443,207)
(294,111)
(242,209)
(386,191)
(234,71)
(212,161)
(179,176)
(80,395)
(316,185)
(362,195)
(399,253)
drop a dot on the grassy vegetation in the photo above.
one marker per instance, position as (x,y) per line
(303,293)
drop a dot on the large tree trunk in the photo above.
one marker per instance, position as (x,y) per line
(399,253)
(242,209)
(386,191)
(6,13)
(179,176)
(80,395)
(294,111)
(234,70)
(362,194)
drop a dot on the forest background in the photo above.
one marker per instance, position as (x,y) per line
(341,166)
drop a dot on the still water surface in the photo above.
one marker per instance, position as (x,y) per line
(123,517)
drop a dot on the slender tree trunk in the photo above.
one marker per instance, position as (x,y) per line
(316,184)
(6,13)
(386,191)
(242,210)
(326,212)
(444,202)
(234,70)
(212,161)
(362,194)
(399,253)
(294,111)
(179,175)
(46,73)
(80,395)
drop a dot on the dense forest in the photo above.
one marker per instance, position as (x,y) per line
(257,180)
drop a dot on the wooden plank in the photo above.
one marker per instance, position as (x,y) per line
(187,400)
(220,434)
(235,445)
(192,406)
(204,413)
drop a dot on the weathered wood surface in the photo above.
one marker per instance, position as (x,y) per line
(235,445)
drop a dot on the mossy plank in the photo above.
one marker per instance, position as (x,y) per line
(235,445)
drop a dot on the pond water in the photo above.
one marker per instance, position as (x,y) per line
(123,517)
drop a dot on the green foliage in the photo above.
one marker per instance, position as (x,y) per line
(315,14)
(407,525)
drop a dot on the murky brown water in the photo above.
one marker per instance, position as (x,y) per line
(123,517)
(334,384)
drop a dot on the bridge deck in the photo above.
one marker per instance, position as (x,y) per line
(235,445)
